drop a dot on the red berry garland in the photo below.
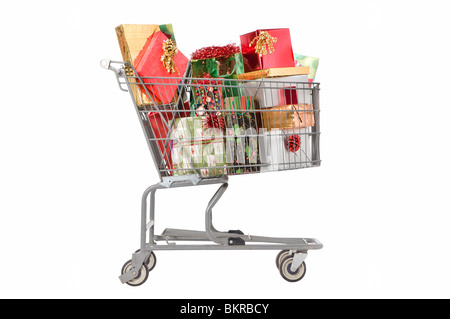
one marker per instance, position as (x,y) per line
(215,51)
(293,143)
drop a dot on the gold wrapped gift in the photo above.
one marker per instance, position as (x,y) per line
(288,116)
(274,73)
(132,38)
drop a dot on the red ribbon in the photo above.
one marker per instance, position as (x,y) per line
(213,121)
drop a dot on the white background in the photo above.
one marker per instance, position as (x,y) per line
(74,162)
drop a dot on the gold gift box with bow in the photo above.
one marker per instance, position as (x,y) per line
(288,116)
(132,38)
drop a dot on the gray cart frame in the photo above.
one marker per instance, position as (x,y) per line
(290,260)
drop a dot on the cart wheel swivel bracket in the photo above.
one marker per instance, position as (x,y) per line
(137,260)
(299,258)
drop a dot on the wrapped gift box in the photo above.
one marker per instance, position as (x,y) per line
(160,131)
(307,61)
(274,73)
(132,38)
(270,92)
(159,128)
(241,140)
(288,116)
(149,63)
(167,29)
(219,62)
(197,147)
(265,49)
(286,149)
(207,95)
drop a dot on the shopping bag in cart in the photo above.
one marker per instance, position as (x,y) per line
(219,62)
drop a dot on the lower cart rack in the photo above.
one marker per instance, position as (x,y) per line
(290,260)
(236,238)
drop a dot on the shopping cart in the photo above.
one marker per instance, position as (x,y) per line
(202,130)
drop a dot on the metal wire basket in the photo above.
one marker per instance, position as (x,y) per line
(215,127)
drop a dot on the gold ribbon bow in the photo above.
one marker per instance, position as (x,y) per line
(264,40)
(170,50)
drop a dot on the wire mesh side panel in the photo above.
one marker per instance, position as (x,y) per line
(289,122)
(215,127)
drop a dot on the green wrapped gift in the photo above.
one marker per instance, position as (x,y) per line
(312,62)
(197,148)
(226,67)
(219,62)
(167,29)
(241,140)
(207,95)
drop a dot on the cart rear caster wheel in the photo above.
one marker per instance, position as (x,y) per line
(141,276)
(288,274)
(150,261)
(281,255)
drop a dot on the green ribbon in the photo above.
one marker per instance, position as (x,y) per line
(234,103)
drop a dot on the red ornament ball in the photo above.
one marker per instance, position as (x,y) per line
(293,143)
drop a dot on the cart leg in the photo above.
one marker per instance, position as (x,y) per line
(151,224)
(141,256)
(210,230)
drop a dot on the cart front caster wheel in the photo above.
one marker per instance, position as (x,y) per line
(281,255)
(288,274)
(150,261)
(142,274)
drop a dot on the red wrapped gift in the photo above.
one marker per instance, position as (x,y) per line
(269,48)
(161,132)
(160,58)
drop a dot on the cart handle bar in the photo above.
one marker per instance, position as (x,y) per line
(106,64)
